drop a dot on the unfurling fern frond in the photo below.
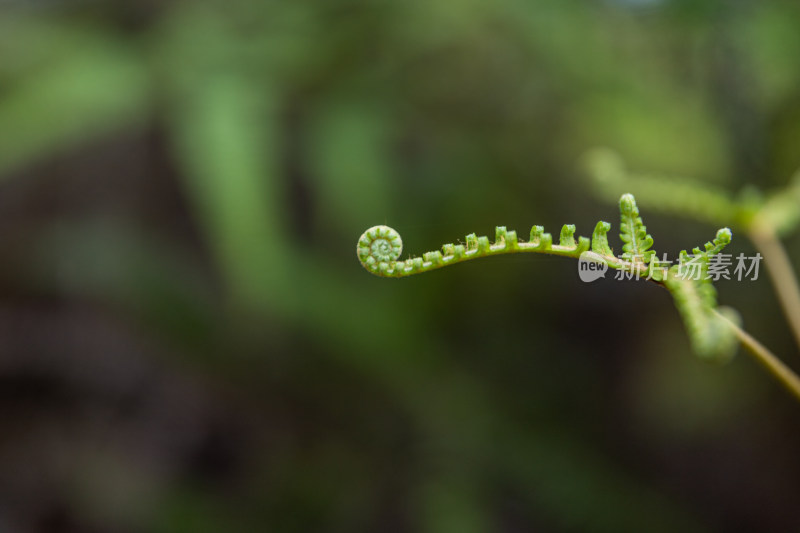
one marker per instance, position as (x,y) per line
(379,250)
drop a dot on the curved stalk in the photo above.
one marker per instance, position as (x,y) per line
(760,353)
(779,268)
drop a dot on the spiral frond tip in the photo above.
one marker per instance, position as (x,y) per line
(379,245)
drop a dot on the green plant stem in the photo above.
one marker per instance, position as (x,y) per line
(775,366)
(780,270)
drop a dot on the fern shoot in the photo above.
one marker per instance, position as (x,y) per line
(713,331)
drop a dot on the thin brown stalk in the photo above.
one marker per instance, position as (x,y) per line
(776,261)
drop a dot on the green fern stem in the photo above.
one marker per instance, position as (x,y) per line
(379,249)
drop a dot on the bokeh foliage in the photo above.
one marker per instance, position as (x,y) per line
(190,344)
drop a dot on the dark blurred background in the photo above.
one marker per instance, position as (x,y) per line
(189,344)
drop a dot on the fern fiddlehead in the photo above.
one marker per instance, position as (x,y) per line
(379,247)
(373,244)
(713,330)
(379,250)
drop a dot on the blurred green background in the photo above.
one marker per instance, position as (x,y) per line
(189,344)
